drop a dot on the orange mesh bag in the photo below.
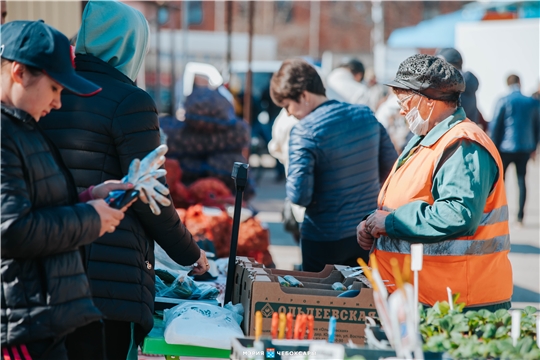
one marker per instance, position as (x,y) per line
(253,240)
(216,228)
(211,192)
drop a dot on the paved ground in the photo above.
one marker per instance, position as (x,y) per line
(525,253)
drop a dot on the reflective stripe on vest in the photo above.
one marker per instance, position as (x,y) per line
(453,247)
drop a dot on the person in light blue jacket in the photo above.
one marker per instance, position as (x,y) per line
(515,130)
(339,155)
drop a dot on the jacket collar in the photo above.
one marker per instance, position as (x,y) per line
(90,63)
(441,128)
(18,114)
(434,135)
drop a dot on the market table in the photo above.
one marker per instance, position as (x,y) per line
(154,344)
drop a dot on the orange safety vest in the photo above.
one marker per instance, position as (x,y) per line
(477,267)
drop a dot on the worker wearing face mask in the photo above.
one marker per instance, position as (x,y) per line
(446,191)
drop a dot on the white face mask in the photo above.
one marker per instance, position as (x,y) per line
(417,124)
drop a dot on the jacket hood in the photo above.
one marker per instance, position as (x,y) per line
(115,33)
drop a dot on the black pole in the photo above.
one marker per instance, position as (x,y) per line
(240,175)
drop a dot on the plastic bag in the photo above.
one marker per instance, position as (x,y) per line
(183,287)
(200,324)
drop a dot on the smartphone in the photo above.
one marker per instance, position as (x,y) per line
(119,198)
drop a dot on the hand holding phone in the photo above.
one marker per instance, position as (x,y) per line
(119,198)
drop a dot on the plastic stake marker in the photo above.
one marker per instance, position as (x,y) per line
(367,272)
(397,274)
(407,269)
(289,325)
(377,277)
(275,323)
(332,329)
(538,331)
(282,324)
(516,326)
(450,299)
(310,321)
(258,325)
(417,254)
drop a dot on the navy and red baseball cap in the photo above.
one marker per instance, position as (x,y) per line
(37,44)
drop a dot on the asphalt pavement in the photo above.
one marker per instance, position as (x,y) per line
(524,255)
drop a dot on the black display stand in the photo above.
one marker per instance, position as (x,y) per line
(240,176)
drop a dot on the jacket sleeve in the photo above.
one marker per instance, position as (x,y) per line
(29,233)
(387,155)
(302,158)
(536,123)
(136,133)
(496,126)
(460,192)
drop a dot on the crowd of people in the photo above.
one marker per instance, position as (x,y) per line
(445,190)
(77,275)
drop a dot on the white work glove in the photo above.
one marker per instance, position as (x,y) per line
(144,174)
(150,164)
(152,192)
(153,161)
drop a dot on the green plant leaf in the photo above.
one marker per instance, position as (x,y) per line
(444,323)
(500,313)
(489,331)
(507,319)
(530,310)
(502,331)
(505,345)
(525,344)
(461,327)
(484,313)
(458,318)
(471,314)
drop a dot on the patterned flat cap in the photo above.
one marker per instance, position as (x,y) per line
(430,76)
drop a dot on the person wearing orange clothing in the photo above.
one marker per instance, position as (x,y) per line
(446,191)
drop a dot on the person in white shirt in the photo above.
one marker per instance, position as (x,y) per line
(345,84)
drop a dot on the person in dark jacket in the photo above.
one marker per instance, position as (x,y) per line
(468,97)
(45,293)
(339,154)
(515,131)
(98,137)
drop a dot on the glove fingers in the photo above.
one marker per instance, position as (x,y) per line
(162,189)
(133,173)
(154,159)
(142,194)
(154,206)
(164,201)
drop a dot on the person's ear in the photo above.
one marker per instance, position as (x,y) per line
(304,97)
(17,72)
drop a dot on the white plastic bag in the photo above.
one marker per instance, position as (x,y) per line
(200,324)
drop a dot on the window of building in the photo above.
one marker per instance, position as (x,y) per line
(195,12)
(431,9)
(284,11)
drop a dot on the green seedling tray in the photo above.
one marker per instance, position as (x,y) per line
(154,344)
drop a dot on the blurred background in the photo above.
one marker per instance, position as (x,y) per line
(235,46)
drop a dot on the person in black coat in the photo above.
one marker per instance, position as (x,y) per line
(98,137)
(45,293)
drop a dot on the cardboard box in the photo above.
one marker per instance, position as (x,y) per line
(260,291)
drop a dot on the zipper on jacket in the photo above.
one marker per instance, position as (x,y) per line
(148,264)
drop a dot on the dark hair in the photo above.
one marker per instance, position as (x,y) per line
(354,66)
(293,78)
(512,80)
(34,71)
